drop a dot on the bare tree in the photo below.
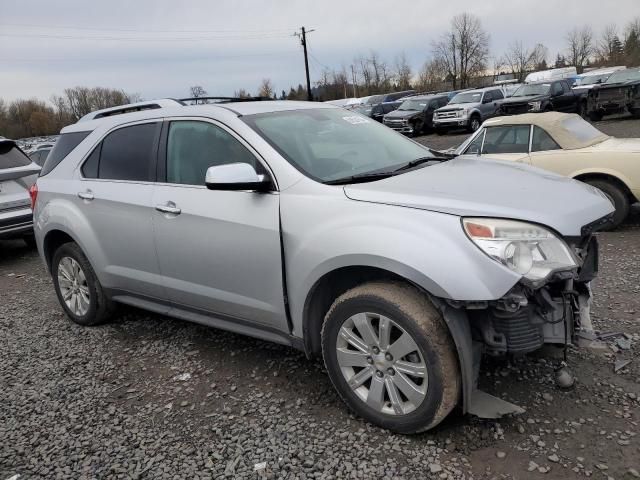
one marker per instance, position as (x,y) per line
(266,88)
(241,93)
(464,50)
(580,46)
(520,60)
(197,91)
(403,72)
(431,76)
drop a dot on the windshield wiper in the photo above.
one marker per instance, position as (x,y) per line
(361,178)
(437,157)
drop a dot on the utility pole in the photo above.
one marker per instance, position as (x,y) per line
(303,41)
(353,79)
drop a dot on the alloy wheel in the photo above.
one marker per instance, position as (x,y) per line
(73,286)
(382,364)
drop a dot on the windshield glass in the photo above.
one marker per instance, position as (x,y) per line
(532,89)
(592,79)
(374,99)
(328,143)
(364,110)
(413,105)
(624,76)
(468,97)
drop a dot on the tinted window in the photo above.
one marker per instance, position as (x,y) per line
(193,147)
(11,156)
(63,147)
(90,167)
(128,153)
(542,141)
(443,101)
(556,88)
(497,95)
(507,139)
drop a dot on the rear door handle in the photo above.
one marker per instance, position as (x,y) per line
(86,195)
(170,208)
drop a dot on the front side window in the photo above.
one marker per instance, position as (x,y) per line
(474,147)
(557,88)
(497,95)
(542,141)
(507,139)
(193,147)
(328,144)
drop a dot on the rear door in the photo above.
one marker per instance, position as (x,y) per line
(114,192)
(219,251)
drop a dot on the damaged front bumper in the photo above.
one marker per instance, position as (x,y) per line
(529,316)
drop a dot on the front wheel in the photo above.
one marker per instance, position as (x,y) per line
(617,197)
(474,123)
(389,355)
(77,286)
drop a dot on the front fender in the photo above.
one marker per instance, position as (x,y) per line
(427,248)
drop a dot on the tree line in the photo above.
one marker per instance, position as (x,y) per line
(460,58)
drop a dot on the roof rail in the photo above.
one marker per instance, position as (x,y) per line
(131,107)
(206,100)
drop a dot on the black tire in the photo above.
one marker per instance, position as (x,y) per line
(595,116)
(100,307)
(440,131)
(412,310)
(30,240)
(582,109)
(418,129)
(617,196)
(474,123)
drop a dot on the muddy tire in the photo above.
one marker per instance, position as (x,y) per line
(390,356)
(77,287)
(617,197)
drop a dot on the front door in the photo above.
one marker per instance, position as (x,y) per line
(508,142)
(219,251)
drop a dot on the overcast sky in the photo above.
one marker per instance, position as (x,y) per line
(158,48)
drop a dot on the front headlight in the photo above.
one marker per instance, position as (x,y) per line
(528,249)
(535,106)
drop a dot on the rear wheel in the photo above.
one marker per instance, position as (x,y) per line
(30,240)
(77,286)
(582,109)
(389,354)
(617,196)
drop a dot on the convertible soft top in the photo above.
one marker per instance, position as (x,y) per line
(569,130)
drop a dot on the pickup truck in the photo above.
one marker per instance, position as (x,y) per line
(549,96)
(468,109)
(620,92)
(415,115)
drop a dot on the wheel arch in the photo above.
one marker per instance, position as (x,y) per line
(53,239)
(607,177)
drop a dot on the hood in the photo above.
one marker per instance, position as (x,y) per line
(403,113)
(468,186)
(527,99)
(457,106)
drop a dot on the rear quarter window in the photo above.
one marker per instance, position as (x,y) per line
(66,143)
(11,156)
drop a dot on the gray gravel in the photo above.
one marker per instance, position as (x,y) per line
(150,397)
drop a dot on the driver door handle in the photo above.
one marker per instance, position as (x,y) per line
(169,208)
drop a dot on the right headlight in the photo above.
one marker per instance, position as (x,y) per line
(526,248)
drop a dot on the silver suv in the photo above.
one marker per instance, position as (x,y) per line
(468,109)
(319,228)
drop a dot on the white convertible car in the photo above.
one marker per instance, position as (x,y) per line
(568,145)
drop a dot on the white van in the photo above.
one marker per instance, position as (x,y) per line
(552,74)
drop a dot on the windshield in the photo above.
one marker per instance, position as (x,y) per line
(468,97)
(413,105)
(374,99)
(592,79)
(532,89)
(364,110)
(624,76)
(329,144)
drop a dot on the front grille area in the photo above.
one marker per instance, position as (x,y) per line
(515,109)
(449,114)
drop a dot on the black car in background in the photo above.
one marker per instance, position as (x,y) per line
(415,115)
(554,95)
(620,92)
(378,111)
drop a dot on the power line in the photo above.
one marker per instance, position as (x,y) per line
(137,30)
(140,39)
(163,59)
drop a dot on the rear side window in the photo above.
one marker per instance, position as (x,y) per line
(542,141)
(63,147)
(11,156)
(125,154)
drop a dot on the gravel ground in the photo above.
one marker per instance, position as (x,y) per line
(146,396)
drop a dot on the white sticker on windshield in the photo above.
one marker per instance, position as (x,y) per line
(355,120)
